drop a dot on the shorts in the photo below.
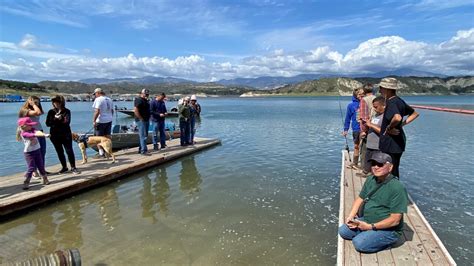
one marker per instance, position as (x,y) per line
(356,136)
(103,129)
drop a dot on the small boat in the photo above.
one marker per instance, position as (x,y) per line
(125,137)
(172,113)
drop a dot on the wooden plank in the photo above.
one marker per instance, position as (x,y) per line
(352,257)
(438,255)
(342,184)
(94,173)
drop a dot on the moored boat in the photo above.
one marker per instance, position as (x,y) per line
(132,114)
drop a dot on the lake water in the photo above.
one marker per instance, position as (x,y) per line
(268,195)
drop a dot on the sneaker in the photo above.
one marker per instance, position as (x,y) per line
(26,185)
(155,147)
(75,171)
(45,180)
(64,170)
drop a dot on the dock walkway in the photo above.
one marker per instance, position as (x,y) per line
(94,173)
(419,244)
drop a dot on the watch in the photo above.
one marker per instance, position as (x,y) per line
(373,227)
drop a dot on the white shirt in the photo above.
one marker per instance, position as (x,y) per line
(105,106)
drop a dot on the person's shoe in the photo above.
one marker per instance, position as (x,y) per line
(164,146)
(75,171)
(45,180)
(26,185)
(63,170)
(155,147)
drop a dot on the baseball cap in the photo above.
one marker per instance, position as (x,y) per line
(26,121)
(381,157)
(145,91)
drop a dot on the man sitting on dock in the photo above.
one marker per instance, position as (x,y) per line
(385,199)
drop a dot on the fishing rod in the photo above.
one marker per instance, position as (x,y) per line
(345,136)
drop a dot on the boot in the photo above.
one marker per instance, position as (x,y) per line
(45,180)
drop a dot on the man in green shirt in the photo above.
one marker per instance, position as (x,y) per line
(386,200)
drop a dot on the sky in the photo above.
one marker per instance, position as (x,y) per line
(209,40)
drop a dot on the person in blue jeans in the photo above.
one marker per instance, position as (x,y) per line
(386,201)
(158,114)
(142,118)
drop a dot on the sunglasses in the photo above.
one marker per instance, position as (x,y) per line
(377,164)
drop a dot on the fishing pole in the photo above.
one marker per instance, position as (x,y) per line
(342,120)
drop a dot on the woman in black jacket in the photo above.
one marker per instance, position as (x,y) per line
(59,119)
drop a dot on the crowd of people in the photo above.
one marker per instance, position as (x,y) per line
(375,221)
(58,119)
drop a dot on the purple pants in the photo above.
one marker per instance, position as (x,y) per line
(34,160)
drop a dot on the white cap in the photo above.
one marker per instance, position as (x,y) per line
(180,101)
(186,98)
(193,97)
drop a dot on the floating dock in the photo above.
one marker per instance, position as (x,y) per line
(442,109)
(419,244)
(96,172)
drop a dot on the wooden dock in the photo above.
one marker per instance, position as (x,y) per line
(419,244)
(94,173)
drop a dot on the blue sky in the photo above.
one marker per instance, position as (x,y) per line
(211,40)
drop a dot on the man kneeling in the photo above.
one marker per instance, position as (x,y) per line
(386,199)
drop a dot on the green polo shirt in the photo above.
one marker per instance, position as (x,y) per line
(392,197)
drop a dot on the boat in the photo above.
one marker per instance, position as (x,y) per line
(125,137)
(172,113)
(418,245)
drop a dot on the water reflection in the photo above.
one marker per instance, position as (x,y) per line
(110,210)
(147,199)
(190,179)
(162,190)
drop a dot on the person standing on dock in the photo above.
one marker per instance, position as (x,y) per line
(103,114)
(392,138)
(195,109)
(373,134)
(142,118)
(184,117)
(158,114)
(59,120)
(383,200)
(366,113)
(351,118)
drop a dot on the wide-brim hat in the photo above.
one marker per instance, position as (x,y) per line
(97,90)
(389,83)
(26,121)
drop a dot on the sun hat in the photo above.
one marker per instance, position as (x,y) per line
(145,91)
(26,121)
(381,157)
(389,83)
(193,97)
(97,90)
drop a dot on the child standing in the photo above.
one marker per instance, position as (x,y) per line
(32,150)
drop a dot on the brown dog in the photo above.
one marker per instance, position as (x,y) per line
(101,142)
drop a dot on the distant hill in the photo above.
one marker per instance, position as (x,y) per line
(409,85)
(147,80)
(267,82)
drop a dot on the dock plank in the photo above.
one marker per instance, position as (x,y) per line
(419,244)
(94,173)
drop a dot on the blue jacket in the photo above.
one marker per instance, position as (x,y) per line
(157,108)
(351,115)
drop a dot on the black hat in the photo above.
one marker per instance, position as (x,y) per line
(381,157)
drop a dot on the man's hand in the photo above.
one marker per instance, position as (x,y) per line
(344,133)
(352,223)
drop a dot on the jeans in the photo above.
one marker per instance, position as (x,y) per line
(143,134)
(159,133)
(192,130)
(184,128)
(369,241)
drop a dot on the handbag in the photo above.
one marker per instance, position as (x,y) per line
(360,211)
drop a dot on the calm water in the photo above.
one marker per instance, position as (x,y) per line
(268,195)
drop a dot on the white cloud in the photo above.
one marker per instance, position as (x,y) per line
(141,24)
(28,60)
